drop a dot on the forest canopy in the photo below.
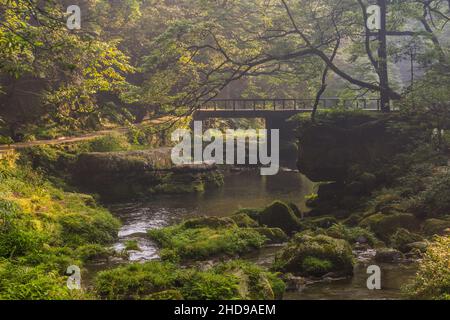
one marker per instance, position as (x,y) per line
(133,57)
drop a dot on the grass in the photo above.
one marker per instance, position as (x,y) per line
(43,231)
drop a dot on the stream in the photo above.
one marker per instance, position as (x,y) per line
(247,189)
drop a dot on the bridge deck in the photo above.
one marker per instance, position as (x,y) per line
(263,108)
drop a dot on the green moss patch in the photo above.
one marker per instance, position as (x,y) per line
(203,238)
(315,256)
(162,280)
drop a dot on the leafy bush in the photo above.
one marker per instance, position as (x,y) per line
(433,278)
(79,229)
(24,283)
(110,143)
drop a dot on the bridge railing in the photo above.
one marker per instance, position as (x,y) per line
(288,104)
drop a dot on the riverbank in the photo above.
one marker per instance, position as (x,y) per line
(249,246)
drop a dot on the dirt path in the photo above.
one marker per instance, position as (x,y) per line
(84,137)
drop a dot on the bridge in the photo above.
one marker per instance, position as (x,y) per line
(277,108)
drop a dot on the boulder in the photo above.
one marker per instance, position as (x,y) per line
(274,235)
(279,215)
(435,227)
(243,220)
(316,256)
(388,255)
(385,225)
(401,239)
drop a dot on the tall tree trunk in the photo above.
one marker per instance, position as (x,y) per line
(382,60)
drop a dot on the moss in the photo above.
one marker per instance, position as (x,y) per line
(279,215)
(254,282)
(243,220)
(43,230)
(93,252)
(110,143)
(322,222)
(295,209)
(325,253)
(211,286)
(251,212)
(161,280)
(166,295)
(386,225)
(402,238)
(273,235)
(132,245)
(435,227)
(136,280)
(352,235)
(206,237)
(388,255)
(316,266)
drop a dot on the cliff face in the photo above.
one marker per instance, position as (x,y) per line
(334,148)
(354,153)
(134,174)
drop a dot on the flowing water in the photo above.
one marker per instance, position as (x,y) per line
(247,189)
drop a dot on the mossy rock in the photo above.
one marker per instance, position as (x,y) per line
(354,235)
(435,227)
(388,255)
(209,222)
(322,222)
(279,215)
(295,209)
(316,256)
(274,235)
(386,225)
(243,220)
(205,237)
(353,220)
(401,239)
(233,280)
(251,212)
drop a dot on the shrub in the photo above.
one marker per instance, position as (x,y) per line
(18,242)
(433,277)
(110,143)
(24,283)
(434,201)
(79,229)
